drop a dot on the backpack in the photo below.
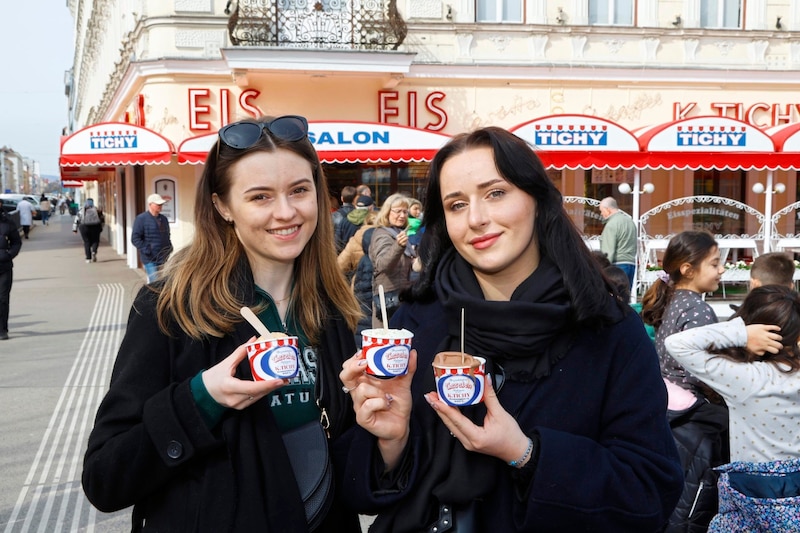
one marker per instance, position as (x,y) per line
(90,217)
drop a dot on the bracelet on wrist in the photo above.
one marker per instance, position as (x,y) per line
(519,463)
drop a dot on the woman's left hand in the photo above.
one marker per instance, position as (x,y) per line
(763,338)
(500,436)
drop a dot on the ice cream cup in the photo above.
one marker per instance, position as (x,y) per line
(272,358)
(386,351)
(459,383)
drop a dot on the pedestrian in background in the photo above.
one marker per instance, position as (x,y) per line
(753,362)
(363,190)
(151,236)
(89,222)
(618,239)
(185,434)
(571,435)
(25,209)
(10,244)
(365,209)
(340,216)
(698,417)
(391,255)
(45,207)
(774,268)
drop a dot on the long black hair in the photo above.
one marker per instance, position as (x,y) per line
(556,234)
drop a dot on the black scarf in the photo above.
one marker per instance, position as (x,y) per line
(527,336)
(517,334)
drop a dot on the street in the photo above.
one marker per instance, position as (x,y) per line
(67,320)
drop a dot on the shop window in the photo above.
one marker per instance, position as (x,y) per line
(611,12)
(720,13)
(727,184)
(499,10)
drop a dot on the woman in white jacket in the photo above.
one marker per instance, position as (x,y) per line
(753,362)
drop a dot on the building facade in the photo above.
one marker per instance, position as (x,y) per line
(182,69)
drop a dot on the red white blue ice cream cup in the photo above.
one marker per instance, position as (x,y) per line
(386,351)
(274,358)
(460,385)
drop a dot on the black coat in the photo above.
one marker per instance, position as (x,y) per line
(10,242)
(606,460)
(150,447)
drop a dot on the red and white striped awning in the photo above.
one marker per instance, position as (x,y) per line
(115,143)
(707,142)
(346,142)
(581,142)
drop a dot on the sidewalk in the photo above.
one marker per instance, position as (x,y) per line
(67,318)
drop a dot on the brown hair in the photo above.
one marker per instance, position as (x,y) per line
(202,287)
(775,268)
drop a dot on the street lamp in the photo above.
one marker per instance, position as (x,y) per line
(625,188)
(759,188)
(647,188)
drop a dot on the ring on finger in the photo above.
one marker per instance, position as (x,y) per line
(347,390)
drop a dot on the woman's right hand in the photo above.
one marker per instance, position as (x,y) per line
(232,392)
(382,406)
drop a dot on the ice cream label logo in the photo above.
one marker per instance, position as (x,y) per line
(389,360)
(460,389)
(277,362)
(105,140)
(570,136)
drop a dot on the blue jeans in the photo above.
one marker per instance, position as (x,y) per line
(151,269)
(629,270)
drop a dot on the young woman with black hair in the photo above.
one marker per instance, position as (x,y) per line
(572,434)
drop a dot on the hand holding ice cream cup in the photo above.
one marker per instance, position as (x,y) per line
(272,355)
(386,350)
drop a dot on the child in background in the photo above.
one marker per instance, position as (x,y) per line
(691,267)
(752,361)
(775,268)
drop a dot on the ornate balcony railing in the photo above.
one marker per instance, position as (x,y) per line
(325,24)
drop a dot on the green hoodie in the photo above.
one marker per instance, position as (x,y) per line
(357,215)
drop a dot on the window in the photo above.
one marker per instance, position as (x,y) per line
(611,12)
(499,10)
(720,13)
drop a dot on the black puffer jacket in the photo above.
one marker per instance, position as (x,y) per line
(362,283)
(700,433)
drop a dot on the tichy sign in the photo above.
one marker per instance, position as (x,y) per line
(111,139)
(571,135)
(711,136)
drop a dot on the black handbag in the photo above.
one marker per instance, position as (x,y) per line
(307,446)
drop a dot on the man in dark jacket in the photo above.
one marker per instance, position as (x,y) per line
(151,236)
(10,244)
(339,216)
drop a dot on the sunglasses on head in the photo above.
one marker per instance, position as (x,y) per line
(246,133)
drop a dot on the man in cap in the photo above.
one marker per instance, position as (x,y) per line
(355,219)
(151,237)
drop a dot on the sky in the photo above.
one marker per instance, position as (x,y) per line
(38,49)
